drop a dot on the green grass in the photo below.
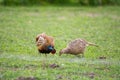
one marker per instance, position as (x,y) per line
(19,56)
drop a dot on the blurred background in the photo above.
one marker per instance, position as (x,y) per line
(60,2)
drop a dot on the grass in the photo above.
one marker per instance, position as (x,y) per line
(19,56)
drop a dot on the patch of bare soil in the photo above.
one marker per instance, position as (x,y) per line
(26,78)
(54,66)
(102,57)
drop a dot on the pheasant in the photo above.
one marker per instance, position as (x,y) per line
(45,44)
(76,47)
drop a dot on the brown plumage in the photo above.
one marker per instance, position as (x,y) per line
(45,44)
(76,47)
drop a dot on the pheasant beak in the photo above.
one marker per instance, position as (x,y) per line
(61,52)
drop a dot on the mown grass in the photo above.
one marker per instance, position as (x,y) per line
(19,56)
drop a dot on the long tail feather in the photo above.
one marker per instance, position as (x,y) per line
(92,44)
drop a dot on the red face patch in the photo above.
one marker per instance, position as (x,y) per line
(53,51)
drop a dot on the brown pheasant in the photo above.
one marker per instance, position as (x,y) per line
(76,47)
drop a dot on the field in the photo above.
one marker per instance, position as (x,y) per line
(19,57)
